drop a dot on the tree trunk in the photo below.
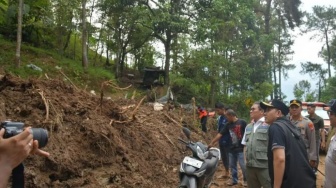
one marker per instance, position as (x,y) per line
(167,60)
(101,52)
(98,43)
(279,61)
(267,49)
(67,41)
(75,47)
(275,91)
(319,90)
(122,62)
(329,54)
(90,27)
(85,62)
(175,52)
(19,36)
(107,62)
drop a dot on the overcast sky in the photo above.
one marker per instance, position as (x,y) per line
(304,50)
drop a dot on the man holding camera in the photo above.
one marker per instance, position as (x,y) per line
(14,150)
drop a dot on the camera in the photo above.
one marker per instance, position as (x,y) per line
(15,128)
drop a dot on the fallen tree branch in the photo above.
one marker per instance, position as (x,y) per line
(68,79)
(59,118)
(46,104)
(125,108)
(136,108)
(103,86)
(167,138)
(171,119)
(119,88)
(121,122)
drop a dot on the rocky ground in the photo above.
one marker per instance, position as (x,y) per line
(98,142)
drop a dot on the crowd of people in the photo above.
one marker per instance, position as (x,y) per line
(278,148)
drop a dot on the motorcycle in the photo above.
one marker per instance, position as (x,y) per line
(197,171)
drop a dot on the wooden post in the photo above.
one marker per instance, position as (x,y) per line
(194,111)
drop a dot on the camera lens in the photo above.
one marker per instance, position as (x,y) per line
(41,135)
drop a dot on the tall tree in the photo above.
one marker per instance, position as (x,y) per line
(66,18)
(129,28)
(19,35)
(289,12)
(85,62)
(168,18)
(315,71)
(323,21)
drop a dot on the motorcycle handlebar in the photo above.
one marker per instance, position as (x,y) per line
(182,141)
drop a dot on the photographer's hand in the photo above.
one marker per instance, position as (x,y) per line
(12,152)
(37,151)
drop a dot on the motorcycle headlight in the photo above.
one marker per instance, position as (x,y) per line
(202,155)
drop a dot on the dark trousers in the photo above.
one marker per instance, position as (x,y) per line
(225,155)
(18,176)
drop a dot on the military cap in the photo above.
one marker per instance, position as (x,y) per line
(275,103)
(295,102)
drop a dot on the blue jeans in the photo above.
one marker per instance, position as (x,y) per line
(225,155)
(235,157)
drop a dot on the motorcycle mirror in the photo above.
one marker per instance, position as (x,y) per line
(186,132)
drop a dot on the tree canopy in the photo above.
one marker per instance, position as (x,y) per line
(213,50)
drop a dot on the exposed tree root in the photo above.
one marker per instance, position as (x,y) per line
(69,80)
(46,104)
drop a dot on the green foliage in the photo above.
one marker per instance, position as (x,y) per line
(329,91)
(323,22)
(220,50)
(50,62)
(302,91)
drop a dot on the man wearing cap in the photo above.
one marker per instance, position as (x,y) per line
(330,160)
(287,156)
(319,128)
(256,141)
(306,129)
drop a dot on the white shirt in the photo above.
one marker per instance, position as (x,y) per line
(330,165)
(255,126)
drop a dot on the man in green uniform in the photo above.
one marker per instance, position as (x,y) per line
(306,129)
(319,128)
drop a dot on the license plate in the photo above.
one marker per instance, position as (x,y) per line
(193,162)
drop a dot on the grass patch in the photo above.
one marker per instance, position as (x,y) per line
(51,63)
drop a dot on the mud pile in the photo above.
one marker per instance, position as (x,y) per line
(93,142)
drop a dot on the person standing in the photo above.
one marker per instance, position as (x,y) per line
(236,128)
(225,141)
(330,160)
(287,156)
(306,129)
(256,141)
(319,129)
(203,116)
